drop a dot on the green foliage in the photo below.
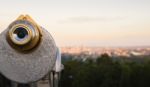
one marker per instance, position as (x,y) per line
(4,82)
(104,72)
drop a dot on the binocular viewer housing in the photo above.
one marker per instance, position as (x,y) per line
(27,51)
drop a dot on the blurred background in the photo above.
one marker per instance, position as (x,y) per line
(85,22)
(104,43)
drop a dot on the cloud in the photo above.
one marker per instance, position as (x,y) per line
(84,19)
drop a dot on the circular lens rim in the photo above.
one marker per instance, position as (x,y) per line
(25,40)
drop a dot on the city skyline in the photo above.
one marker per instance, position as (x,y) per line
(86,22)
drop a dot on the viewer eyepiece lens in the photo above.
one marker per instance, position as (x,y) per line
(21,33)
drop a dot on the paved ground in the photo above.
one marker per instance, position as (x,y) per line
(43,83)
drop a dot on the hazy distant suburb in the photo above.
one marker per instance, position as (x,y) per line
(86,22)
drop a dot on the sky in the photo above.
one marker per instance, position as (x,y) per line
(85,22)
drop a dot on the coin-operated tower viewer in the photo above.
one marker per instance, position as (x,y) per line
(28,53)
